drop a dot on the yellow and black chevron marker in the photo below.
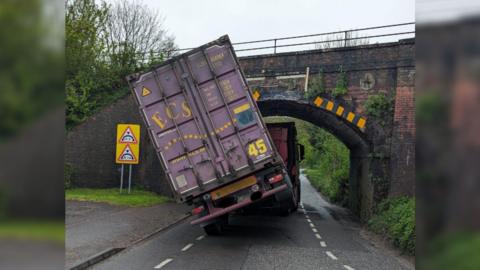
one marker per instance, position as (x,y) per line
(340,111)
(256,94)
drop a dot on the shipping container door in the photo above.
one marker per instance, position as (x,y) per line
(229,112)
(177,131)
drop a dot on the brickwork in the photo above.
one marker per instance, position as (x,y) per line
(90,149)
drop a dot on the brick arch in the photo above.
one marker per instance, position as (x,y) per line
(361,190)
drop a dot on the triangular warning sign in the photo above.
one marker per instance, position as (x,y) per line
(145,91)
(128,136)
(127,154)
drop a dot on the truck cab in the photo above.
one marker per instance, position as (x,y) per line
(284,136)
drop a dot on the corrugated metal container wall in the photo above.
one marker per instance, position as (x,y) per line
(202,118)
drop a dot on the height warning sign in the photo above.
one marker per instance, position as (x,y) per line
(128,144)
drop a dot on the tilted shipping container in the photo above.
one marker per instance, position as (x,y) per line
(203,120)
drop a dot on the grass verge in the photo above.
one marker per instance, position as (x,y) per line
(137,198)
(43,230)
(331,185)
(395,219)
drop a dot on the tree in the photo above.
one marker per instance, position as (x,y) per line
(105,43)
(86,70)
(347,39)
(136,36)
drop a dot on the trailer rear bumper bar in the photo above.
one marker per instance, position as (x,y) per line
(236,206)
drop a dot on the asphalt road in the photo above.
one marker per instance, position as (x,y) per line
(317,236)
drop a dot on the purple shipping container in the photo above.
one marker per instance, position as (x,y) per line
(202,119)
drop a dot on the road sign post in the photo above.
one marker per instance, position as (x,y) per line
(121,179)
(127,149)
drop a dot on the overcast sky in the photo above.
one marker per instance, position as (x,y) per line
(194,23)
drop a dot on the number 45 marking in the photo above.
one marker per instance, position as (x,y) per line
(257,148)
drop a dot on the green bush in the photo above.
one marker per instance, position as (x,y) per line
(379,106)
(332,185)
(341,86)
(395,218)
(316,86)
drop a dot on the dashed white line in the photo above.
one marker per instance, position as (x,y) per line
(318,236)
(200,237)
(323,244)
(329,254)
(311,225)
(309,221)
(185,248)
(314,230)
(306,216)
(162,264)
(348,267)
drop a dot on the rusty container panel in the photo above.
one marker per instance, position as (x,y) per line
(202,119)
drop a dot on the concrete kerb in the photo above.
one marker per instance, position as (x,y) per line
(103,255)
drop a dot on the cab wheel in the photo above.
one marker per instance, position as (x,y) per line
(296,198)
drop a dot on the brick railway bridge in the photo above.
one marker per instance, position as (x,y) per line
(382,150)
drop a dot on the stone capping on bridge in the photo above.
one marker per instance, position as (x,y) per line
(332,68)
(333,107)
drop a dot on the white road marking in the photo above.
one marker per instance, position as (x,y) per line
(318,236)
(322,243)
(185,248)
(331,255)
(306,216)
(348,267)
(162,264)
(314,230)
(200,237)
(309,221)
(311,225)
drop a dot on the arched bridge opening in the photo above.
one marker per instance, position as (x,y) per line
(361,191)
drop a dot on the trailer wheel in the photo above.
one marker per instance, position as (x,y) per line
(217,227)
(213,229)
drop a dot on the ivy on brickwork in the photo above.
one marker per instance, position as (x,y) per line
(316,86)
(3,204)
(68,174)
(341,86)
(379,107)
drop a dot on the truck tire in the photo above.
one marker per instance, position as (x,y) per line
(297,194)
(213,229)
(217,227)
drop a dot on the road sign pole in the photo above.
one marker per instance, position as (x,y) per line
(121,179)
(129,178)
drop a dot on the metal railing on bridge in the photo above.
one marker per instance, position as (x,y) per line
(336,39)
